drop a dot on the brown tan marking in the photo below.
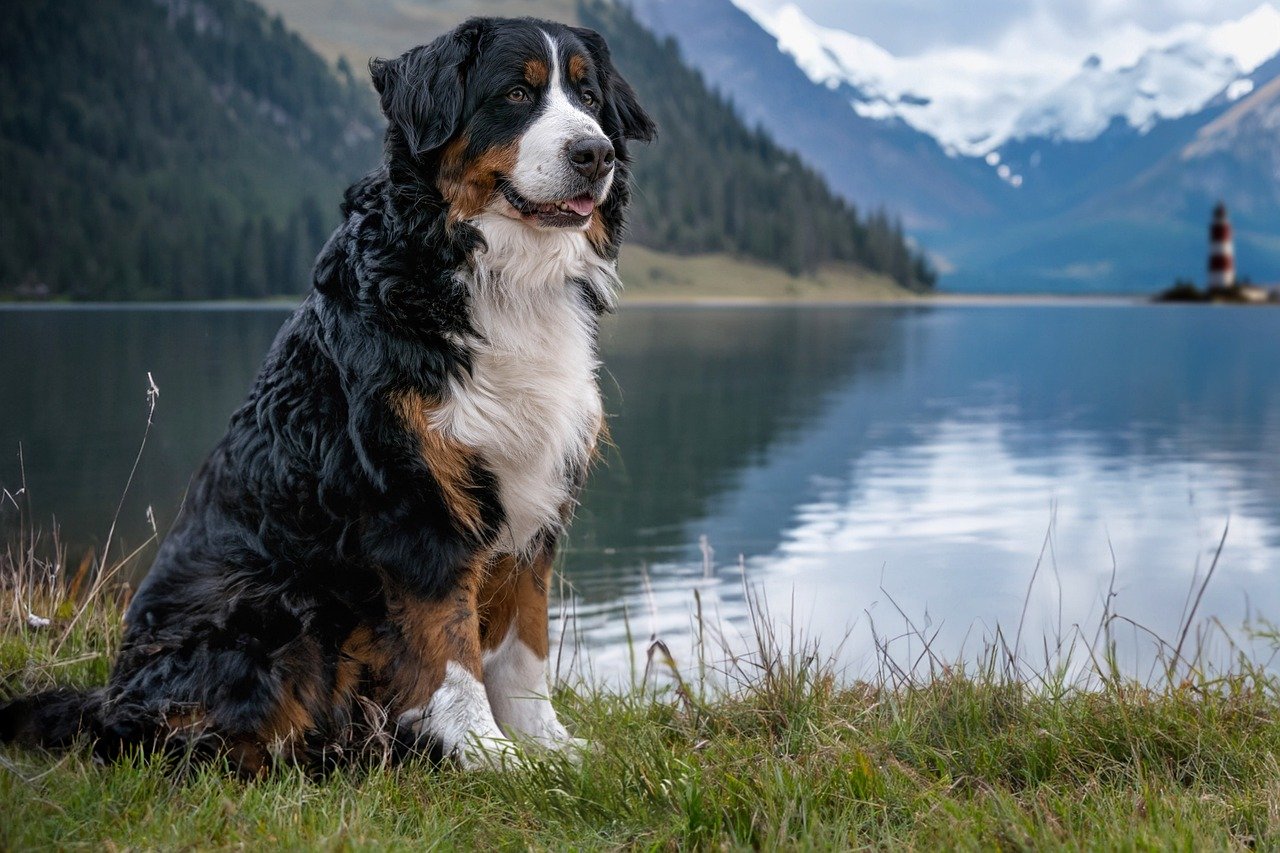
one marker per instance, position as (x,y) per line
(450,462)
(596,233)
(469,184)
(516,594)
(292,716)
(356,659)
(401,663)
(536,72)
(577,67)
(248,757)
(189,721)
(432,633)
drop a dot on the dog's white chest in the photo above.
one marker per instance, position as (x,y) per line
(531,406)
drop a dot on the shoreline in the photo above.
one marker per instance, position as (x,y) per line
(659,300)
(997,300)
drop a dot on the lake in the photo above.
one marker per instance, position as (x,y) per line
(874,473)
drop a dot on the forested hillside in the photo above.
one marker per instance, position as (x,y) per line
(712,184)
(169,149)
(190,149)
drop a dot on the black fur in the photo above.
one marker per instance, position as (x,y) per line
(315,514)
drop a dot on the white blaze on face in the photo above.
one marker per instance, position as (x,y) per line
(543,172)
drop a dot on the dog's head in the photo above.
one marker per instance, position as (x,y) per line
(518,117)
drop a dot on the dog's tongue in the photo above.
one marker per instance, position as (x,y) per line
(582,205)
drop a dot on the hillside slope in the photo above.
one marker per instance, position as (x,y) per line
(751,198)
(168,150)
(878,164)
(188,149)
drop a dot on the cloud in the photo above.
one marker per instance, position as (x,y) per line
(1056,27)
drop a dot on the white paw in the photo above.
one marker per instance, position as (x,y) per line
(459,720)
(574,749)
(485,752)
(557,742)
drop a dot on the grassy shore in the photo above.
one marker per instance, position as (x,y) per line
(651,276)
(781,754)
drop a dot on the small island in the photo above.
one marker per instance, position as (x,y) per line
(1222,286)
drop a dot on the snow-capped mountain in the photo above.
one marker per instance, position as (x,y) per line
(1092,168)
(875,164)
(974,102)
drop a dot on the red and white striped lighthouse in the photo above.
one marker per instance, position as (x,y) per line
(1222,255)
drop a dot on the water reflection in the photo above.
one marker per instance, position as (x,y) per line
(74,398)
(852,463)
(927,481)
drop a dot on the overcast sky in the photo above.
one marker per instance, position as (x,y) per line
(907,27)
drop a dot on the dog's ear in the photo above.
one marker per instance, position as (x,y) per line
(622,115)
(423,92)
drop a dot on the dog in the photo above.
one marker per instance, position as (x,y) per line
(377,527)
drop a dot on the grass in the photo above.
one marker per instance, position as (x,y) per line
(763,747)
(772,751)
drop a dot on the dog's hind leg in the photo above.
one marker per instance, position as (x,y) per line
(253,677)
(516,646)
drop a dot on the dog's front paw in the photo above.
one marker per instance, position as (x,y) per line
(574,749)
(487,752)
(558,741)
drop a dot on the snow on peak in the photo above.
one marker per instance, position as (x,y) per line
(1251,41)
(1163,83)
(974,101)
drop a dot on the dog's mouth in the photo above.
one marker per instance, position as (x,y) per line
(564,213)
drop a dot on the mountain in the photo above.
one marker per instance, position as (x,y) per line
(972,103)
(751,197)
(1021,173)
(1128,210)
(1230,150)
(877,163)
(197,149)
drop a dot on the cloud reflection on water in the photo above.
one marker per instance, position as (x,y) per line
(903,491)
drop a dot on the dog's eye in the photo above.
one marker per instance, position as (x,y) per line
(517,95)
(588,97)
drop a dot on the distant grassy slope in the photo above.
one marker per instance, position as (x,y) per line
(662,276)
(358,29)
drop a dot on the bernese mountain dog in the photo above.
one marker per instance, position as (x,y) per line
(377,527)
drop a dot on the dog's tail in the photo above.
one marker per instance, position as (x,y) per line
(53,719)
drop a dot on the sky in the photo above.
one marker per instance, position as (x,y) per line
(914,27)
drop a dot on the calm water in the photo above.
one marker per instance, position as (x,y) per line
(858,466)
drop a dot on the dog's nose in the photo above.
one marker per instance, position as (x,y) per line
(591,158)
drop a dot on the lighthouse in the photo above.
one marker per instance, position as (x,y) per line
(1222,261)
